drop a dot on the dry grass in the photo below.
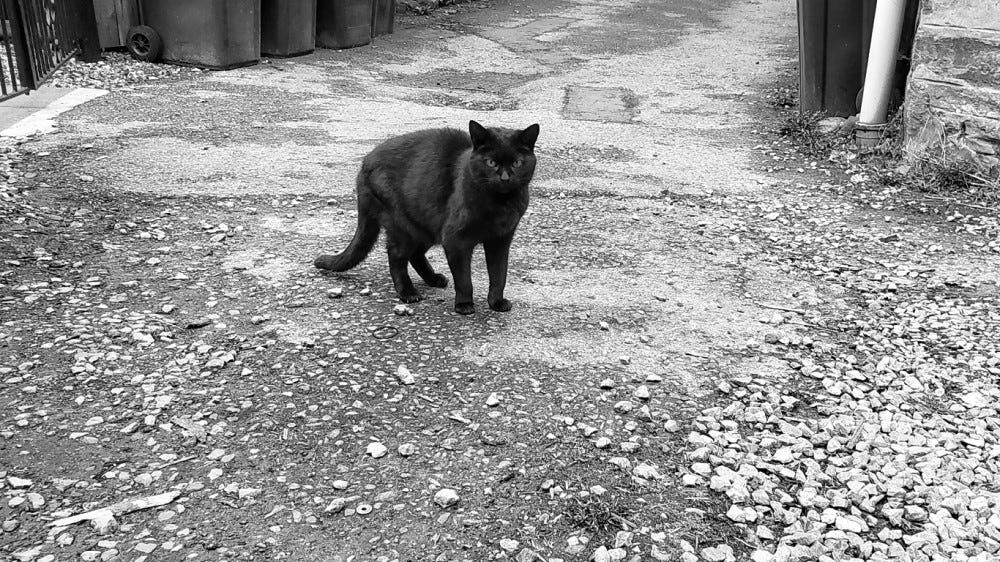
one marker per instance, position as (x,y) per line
(803,131)
(936,173)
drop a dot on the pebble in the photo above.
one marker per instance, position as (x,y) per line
(376,450)
(510,545)
(16,482)
(720,553)
(404,375)
(446,497)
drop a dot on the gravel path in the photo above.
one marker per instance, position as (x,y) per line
(721,349)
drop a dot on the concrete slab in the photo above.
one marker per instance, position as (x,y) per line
(598,104)
(34,112)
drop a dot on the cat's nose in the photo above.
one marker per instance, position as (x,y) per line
(504,175)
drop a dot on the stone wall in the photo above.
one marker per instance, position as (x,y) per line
(953,96)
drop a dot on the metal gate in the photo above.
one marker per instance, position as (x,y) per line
(39,36)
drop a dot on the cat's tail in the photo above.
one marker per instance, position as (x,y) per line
(364,239)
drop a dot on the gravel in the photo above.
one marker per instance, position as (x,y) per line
(882,441)
(117,71)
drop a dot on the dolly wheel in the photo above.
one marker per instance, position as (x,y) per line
(144,43)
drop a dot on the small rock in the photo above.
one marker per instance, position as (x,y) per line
(36,501)
(624,406)
(446,497)
(404,375)
(510,545)
(721,553)
(829,125)
(406,449)
(376,450)
(16,482)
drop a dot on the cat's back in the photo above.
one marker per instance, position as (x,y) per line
(427,146)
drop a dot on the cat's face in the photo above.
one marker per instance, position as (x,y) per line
(503,159)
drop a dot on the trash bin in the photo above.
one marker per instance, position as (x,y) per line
(834,36)
(216,34)
(383,17)
(287,27)
(341,24)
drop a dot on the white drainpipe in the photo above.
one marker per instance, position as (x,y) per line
(886,30)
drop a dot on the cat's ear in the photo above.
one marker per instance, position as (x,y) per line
(528,136)
(479,134)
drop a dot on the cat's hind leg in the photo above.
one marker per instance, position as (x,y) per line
(423,268)
(399,254)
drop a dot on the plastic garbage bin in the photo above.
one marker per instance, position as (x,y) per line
(383,17)
(215,34)
(287,27)
(341,24)
(834,36)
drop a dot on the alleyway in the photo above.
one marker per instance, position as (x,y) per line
(716,348)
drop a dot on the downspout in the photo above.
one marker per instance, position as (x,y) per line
(886,30)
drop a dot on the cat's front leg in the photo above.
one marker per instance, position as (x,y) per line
(497,253)
(459,254)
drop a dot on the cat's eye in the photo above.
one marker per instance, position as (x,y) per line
(517,163)
(491,163)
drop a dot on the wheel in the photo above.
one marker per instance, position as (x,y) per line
(144,43)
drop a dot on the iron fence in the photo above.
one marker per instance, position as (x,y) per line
(39,36)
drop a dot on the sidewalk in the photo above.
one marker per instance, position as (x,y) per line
(34,112)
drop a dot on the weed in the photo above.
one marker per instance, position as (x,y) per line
(783,97)
(803,130)
(941,173)
(604,513)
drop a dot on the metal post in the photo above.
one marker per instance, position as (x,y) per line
(19,41)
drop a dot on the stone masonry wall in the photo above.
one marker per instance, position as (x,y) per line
(952,103)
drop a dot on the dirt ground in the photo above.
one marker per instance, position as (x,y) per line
(163,328)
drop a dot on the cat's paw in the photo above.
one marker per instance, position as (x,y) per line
(465,308)
(439,281)
(410,296)
(502,305)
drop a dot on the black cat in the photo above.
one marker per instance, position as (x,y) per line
(443,186)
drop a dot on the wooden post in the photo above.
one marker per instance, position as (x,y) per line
(83,25)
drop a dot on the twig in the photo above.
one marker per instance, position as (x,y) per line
(784,308)
(178,461)
(853,441)
(957,202)
(120,508)
(623,521)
